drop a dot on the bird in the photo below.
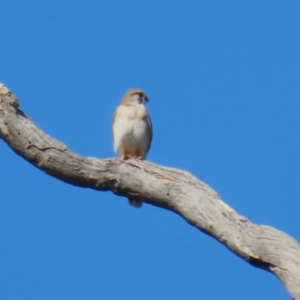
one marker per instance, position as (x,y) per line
(132,129)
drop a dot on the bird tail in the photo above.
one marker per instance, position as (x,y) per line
(135,203)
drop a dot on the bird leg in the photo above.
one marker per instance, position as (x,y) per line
(128,156)
(136,156)
(125,156)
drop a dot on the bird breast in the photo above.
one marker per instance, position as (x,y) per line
(131,130)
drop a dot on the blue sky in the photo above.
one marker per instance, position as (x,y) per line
(223,83)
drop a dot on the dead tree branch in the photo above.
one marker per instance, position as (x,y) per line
(176,190)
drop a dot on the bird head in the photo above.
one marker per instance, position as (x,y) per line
(134,97)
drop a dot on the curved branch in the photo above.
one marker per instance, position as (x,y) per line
(178,191)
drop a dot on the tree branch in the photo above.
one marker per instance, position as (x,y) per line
(176,190)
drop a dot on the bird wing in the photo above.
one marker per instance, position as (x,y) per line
(149,122)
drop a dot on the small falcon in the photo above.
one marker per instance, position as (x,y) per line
(132,128)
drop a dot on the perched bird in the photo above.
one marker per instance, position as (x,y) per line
(132,128)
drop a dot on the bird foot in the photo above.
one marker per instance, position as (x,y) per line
(137,157)
(125,156)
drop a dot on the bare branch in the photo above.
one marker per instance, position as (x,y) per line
(172,189)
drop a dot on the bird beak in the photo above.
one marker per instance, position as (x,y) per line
(146,99)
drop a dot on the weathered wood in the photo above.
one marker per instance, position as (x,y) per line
(176,190)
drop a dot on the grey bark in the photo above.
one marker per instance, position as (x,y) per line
(172,189)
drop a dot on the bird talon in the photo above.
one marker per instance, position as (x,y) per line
(125,156)
(136,157)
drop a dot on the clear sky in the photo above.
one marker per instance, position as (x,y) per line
(223,82)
